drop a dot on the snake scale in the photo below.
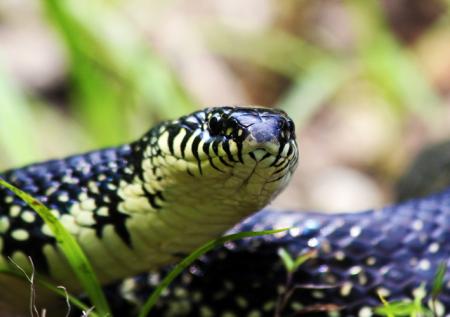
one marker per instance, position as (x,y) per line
(141,206)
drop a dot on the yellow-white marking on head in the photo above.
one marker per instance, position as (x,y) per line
(177,142)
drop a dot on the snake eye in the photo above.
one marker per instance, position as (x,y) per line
(215,125)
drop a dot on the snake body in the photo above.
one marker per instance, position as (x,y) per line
(143,205)
(357,256)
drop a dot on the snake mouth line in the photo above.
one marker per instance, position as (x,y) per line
(230,160)
(284,159)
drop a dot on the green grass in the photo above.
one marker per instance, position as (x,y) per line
(405,308)
(291,265)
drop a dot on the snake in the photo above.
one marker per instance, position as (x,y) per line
(143,205)
(139,207)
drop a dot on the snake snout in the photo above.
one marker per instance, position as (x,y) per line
(271,133)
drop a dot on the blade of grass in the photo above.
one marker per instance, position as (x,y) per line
(302,258)
(386,309)
(292,264)
(287,259)
(412,308)
(71,249)
(419,295)
(151,301)
(438,284)
(438,281)
(401,308)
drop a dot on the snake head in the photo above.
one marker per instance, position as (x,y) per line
(251,150)
(253,130)
(206,171)
(219,164)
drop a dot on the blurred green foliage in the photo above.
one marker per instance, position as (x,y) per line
(119,86)
(117,83)
(113,72)
(16,129)
(416,306)
(318,74)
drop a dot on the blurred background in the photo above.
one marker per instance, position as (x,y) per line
(367,82)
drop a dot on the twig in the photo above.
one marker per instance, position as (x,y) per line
(30,278)
(66,295)
(284,296)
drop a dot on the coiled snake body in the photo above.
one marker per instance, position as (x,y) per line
(391,252)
